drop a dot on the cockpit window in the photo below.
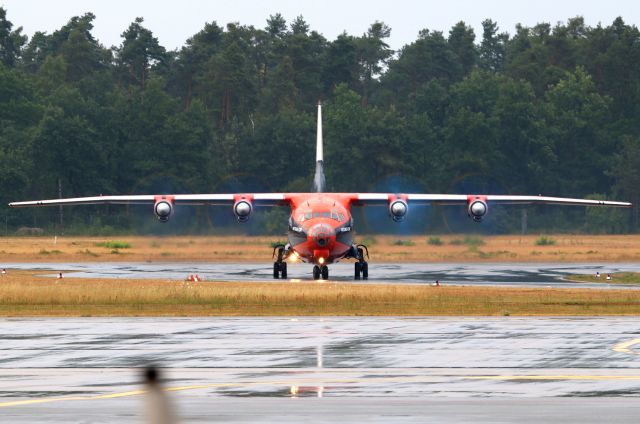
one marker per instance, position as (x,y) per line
(333,215)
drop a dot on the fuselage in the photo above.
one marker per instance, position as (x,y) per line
(320,227)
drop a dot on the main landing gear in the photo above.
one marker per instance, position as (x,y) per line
(361,266)
(320,271)
(280,266)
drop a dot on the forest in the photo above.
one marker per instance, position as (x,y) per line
(548,109)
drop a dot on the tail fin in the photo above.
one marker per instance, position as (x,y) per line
(318,179)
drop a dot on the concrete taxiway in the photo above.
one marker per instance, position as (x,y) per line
(495,274)
(391,370)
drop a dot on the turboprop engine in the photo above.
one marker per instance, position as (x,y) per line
(242,210)
(477,209)
(398,210)
(163,210)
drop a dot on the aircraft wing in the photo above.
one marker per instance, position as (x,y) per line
(262,199)
(461,199)
(275,199)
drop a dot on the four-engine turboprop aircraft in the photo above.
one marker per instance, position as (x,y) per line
(320,225)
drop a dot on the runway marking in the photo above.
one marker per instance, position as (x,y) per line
(209,386)
(624,347)
(60,399)
(554,377)
(323,383)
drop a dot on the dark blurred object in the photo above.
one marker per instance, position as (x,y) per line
(159,410)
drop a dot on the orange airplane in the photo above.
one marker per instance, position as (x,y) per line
(320,225)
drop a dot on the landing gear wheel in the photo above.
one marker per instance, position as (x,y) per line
(316,272)
(325,272)
(361,267)
(279,266)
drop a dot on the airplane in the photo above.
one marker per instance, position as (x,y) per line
(321,228)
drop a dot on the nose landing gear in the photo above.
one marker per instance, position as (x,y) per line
(280,270)
(320,271)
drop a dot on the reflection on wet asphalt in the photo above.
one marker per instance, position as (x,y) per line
(521,343)
(232,366)
(499,274)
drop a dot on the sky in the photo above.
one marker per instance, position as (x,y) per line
(173,22)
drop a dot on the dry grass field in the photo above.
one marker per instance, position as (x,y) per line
(451,248)
(24,294)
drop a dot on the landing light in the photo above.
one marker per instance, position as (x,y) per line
(321,261)
(294,257)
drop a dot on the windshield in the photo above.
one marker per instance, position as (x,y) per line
(311,215)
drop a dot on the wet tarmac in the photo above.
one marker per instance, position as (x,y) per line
(391,370)
(496,274)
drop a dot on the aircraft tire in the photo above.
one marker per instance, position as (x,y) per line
(283,270)
(325,272)
(276,270)
(357,271)
(365,270)
(316,272)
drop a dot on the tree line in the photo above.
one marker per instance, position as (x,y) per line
(547,109)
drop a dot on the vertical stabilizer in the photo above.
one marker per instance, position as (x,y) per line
(318,179)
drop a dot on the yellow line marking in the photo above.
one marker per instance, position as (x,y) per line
(121,394)
(324,382)
(624,347)
(60,399)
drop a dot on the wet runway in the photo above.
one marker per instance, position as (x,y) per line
(391,370)
(497,274)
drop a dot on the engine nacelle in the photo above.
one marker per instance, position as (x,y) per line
(398,210)
(477,209)
(163,210)
(242,210)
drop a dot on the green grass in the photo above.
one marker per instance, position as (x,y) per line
(368,241)
(545,241)
(495,254)
(401,242)
(468,240)
(49,252)
(114,244)
(434,241)
(88,253)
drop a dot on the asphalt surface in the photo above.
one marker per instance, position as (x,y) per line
(391,370)
(496,274)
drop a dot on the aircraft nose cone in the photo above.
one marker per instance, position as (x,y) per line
(321,235)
